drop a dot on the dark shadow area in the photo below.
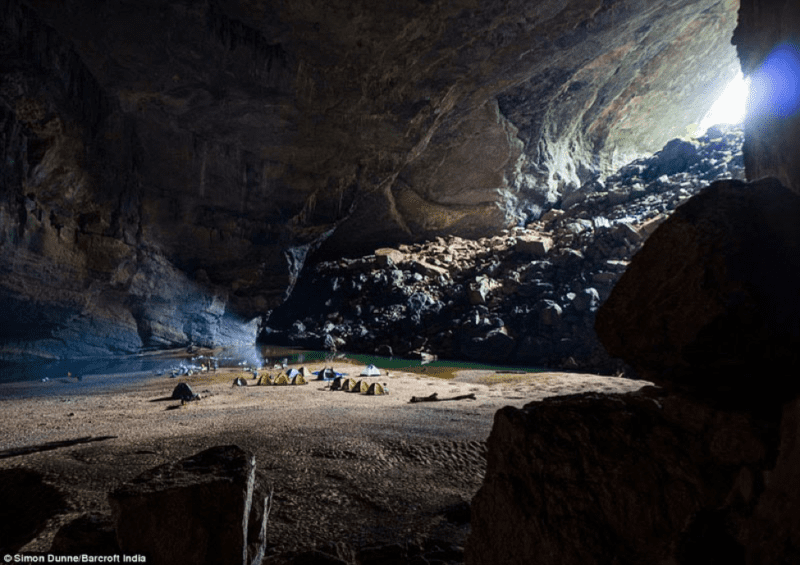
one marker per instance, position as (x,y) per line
(27,505)
(14,452)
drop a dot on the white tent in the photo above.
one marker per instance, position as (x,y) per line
(371,371)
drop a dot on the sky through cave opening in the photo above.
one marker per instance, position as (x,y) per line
(772,90)
(729,108)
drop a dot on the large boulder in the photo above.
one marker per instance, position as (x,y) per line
(639,478)
(711,299)
(204,509)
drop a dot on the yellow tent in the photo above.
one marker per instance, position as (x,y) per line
(348,385)
(377,389)
(361,386)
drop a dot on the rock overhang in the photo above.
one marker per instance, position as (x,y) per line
(235,138)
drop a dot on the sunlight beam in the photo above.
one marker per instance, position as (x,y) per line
(729,108)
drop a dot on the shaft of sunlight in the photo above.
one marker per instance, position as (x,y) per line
(729,108)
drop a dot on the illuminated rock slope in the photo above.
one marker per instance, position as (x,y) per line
(168,166)
(528,295)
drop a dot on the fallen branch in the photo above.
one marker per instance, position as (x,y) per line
(435,398)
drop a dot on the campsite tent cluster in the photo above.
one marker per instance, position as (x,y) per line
(290,377)
(338,380)
(184,393)
(351,385)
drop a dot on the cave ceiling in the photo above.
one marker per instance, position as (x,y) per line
(217,143)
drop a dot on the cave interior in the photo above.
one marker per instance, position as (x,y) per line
(173,172)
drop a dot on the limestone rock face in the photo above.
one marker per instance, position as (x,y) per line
(711,299)
(767,41)
(639,478)
(167,169)
(528,296)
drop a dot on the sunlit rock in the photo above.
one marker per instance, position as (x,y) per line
(224,142)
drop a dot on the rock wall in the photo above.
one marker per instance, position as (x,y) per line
(767,40)
(203,150)
(694,472)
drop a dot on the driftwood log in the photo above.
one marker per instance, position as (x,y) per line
(435,398)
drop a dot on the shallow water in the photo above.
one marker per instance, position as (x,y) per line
(154,363)
(85,376)
(75,369)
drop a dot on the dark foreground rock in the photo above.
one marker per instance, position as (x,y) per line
(645,477)
(90,534)
(702,470)
(723,274)
(27,502)
(202,509)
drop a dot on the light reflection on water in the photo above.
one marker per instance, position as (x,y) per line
(78,376)
(79,370)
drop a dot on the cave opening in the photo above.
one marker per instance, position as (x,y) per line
(729,107)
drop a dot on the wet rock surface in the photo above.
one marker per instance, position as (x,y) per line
(528,296)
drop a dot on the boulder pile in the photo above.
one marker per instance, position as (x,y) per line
(701,470)
(527,296)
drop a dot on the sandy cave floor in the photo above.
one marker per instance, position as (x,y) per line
(365,470)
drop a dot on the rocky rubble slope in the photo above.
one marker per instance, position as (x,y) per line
(527,296)
(156,151)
